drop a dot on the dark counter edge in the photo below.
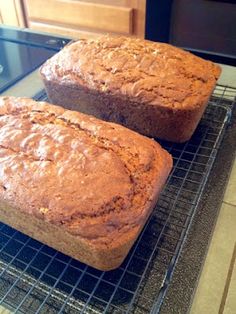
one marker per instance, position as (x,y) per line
(182,288)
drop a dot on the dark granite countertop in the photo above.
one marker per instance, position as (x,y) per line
(184,282)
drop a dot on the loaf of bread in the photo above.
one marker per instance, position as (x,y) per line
(78,184)
(153,88)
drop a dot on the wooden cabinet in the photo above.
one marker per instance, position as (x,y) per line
(11,13)
(75,18)
(87,18)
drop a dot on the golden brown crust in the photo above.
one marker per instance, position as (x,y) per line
(144,71)
(150,79)
(97,181)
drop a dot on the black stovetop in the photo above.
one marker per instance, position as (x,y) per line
(21,52)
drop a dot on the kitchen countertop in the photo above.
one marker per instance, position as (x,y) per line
(213,282)
(214,293)
(212,254)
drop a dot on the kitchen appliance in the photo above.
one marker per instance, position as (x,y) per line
(37,279)
(205,27)
(23,52)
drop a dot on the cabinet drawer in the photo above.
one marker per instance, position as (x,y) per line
(62,31)
(71,13)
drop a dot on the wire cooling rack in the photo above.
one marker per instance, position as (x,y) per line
(37,279)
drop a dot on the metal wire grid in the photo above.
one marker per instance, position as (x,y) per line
(37,279)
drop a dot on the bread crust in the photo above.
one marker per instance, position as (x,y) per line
(153,88)
(81,185)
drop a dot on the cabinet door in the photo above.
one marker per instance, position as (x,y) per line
(86,18)
(11,13)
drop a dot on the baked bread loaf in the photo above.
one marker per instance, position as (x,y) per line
(76,183)
(153,88)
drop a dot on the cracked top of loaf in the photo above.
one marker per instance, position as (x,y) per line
(93,178)
(142,70)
